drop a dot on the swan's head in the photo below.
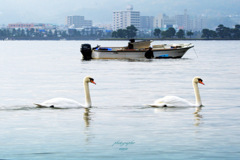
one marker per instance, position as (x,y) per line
(88,79)
(198,80)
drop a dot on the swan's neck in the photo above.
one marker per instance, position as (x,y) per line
(197,94)
(88,102)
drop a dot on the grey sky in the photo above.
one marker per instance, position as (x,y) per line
(100,11)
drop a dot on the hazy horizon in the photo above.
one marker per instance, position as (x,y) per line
(55,11)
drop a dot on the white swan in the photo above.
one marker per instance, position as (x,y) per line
(64,102)
(173,101)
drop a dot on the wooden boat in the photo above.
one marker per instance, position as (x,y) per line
(138,51)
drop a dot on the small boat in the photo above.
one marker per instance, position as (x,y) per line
(135,50)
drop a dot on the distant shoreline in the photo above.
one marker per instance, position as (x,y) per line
(110,39)
(172,39)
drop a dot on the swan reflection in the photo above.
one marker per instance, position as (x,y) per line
(87,117)
(168,109)
(197,116)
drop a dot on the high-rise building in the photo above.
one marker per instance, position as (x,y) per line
(123,19)
(199,23)
(78,22)
(163,21)
(183,21)
(158,21)
(168,22)
(146,23)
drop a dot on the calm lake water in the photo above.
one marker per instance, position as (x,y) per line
(119,125)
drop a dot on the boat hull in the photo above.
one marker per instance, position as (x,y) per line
(132,54)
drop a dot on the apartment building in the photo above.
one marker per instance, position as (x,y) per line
(123,19)
(78,22)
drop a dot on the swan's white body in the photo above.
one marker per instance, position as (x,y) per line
(60,103)
(64,102)
(173,101)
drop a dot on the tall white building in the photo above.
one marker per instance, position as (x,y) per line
(78,22)
(123,19)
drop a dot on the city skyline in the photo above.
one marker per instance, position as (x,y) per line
(56,11)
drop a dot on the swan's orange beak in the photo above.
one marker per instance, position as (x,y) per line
(92,81)
(201,82)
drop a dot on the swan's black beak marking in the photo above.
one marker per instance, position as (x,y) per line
(92,80)
(200,81)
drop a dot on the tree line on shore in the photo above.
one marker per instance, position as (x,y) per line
(50,34)
(221,32)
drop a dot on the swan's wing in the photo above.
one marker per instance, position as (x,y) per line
(157,105)
(172,101)
(59,103)
(40,106)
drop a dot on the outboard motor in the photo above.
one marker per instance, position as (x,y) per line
(86,51)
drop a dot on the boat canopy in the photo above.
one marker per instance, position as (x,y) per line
(141,44)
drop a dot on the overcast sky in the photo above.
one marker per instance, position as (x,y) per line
(100,11)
